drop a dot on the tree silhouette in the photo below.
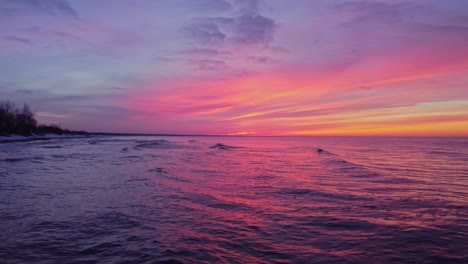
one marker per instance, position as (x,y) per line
(22,122)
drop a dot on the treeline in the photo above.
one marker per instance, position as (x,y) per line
(21,121)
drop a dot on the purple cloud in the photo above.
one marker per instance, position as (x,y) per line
(18,39)
(205,31)
(215,5)
(201,51)
(209,64)
(260,59)
(246,26)
(248,5)
(50,7)
(252,28)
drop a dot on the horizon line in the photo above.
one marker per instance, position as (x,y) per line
(255,135)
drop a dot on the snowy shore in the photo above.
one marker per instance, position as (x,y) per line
(19,138)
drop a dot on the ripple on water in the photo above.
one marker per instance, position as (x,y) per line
(269,202)
(224,147)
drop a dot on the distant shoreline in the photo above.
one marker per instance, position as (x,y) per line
(297,136)
(50,136)
(154,135)
(19,138)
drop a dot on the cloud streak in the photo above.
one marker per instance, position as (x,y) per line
(48,7)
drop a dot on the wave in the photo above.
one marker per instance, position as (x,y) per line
(224,147)
(14,159)
(340,165)
(52,147)
(159,170)
(166,175)
(34,159)
(159,144)
(132,157)
(300,192)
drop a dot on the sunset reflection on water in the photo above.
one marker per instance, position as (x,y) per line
(250,199)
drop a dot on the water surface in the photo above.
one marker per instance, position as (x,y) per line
(245,200)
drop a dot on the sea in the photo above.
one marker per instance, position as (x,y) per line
(203,199)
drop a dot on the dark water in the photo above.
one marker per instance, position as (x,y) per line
(247,200)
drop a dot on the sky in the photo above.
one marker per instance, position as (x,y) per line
(240,67)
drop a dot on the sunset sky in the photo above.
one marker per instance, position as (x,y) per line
(271,67)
